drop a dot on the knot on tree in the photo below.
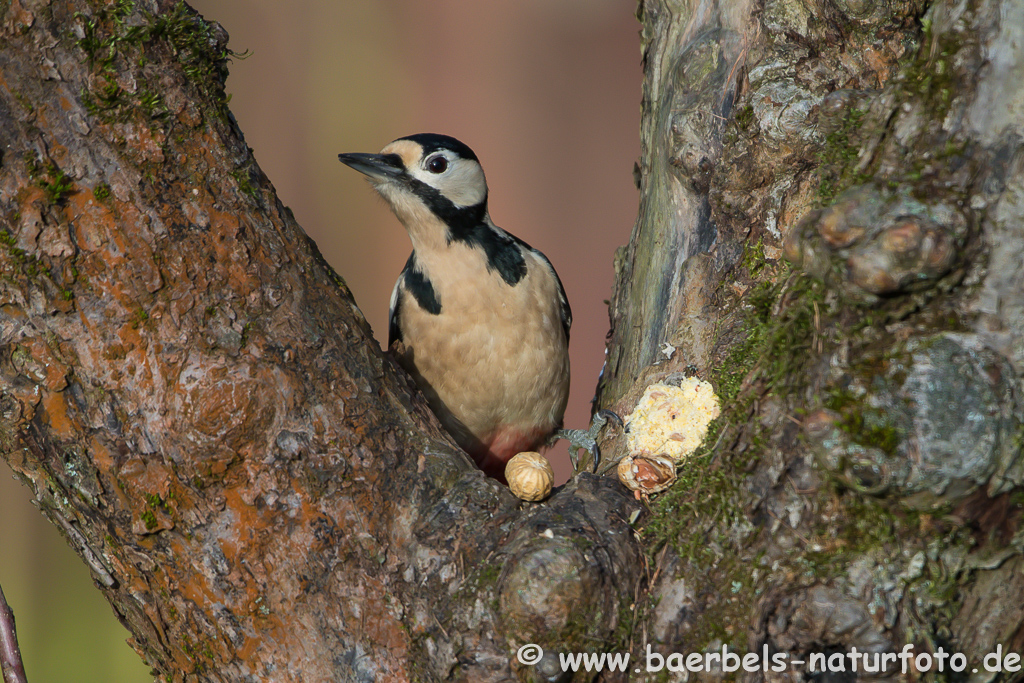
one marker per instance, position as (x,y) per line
(876,242)
(566,575)
(929,421)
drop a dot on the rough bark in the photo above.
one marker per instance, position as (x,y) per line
(196,402)
(198,405)
(863,487)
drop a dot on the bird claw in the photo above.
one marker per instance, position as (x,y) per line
(602,417)
(578,439)
(586,440)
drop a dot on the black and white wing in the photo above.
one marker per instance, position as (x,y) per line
(394,329)
(411,282)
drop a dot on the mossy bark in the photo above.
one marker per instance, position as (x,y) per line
(195,401)
(862,488)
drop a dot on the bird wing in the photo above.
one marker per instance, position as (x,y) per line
(563,301)
(411,282)
(394,328)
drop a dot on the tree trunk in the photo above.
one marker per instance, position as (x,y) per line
(195,401)
(861,490)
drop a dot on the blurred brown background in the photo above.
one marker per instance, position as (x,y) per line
(546,92)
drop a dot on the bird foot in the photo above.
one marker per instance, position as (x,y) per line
(586,440)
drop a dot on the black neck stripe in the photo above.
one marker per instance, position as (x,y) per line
(467,224)
(420,287)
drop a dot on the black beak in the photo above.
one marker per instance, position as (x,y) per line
(382,166)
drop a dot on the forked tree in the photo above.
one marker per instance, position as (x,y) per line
(831,232)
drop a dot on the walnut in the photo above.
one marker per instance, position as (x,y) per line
(530,476)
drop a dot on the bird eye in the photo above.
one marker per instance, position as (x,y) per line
(437,164)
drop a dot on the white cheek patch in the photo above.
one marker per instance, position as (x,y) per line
(463,184)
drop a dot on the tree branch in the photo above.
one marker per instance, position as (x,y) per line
(11,666)
(198,405)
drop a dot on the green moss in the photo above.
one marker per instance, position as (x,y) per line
(151,103)
(101,192)
(866,425)
(199,658)
(488,574)
(24,101)
(149,519)
(624,626)
(139,318)
(246,328)
(729,375)
(105,100)
(744,117)
(29,265)
(110,40)
(753,258)
(49,177)
(770,343)
(884,530)
(704,515)
(867,524)
(241,176)
(479,585)
(929,76)
(196,47)
(700,500)
(99,48)
(155,504)
(483,580)
(838,156)
(929,81)
(57,189)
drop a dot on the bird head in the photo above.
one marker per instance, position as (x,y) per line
(425,178)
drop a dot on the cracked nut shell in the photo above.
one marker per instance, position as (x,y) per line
(647,474)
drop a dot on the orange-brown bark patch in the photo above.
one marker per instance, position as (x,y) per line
(88,218)
(55,413)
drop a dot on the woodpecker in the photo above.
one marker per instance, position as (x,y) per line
(478,317)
